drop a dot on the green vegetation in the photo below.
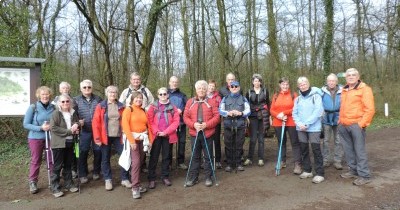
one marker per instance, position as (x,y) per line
(9,87)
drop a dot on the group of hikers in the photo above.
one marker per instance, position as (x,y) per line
(68,127)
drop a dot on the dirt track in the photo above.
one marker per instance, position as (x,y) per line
(255,188)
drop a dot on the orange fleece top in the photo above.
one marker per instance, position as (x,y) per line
(357,105)
(283,102)
(134,119)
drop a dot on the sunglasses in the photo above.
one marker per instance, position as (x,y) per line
(87,87)
(162,94)
(67,101)
(234,86)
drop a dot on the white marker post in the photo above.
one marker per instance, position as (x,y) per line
(386,109)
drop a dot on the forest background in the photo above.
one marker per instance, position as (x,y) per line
(106,40)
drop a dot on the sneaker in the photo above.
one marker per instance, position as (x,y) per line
(136,193)
(228,169)
(283,164)
(240,168)
(33,189)
(152,184)
(248,162)
(305,175)
(297,168)
(166,182)
(58,194)
(126,183)
(260,163)
(361,181)
(73,189)
(74,174)
(96,177)
(348,175)
(142,189)
(108,185)
(191,182)
(326,164)
(318,179)
(338,165)
(84,180)
(218,165)
(208,182)
(182,166)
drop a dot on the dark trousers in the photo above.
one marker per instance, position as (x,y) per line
(106,156)
(294,140)
(62,161)
(217,143)
(85,143)
(313,138)
(234,140)
(256,136)
(160,145)
(199,148)
(181,132)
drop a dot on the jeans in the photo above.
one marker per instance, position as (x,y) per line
(332,132)
(313,138)
(294,140)
(86,141)
(159,144)
(256,135)
(62,161)
(36,146)
(353,140)
(199,147)
(106,156)
(234,145)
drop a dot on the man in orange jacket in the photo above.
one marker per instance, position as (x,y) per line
(356,112)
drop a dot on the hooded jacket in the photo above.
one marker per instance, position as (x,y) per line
(59,130)
(308,110)
(35,117)
(331,105)
(171,116)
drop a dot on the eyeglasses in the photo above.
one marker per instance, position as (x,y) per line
(162,94)
(87,87)
(67,101)
(234,86)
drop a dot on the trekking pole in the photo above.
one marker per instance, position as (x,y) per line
(234,143)
(209,158)
(191,158)
(49,156)
(76,151)
(278,163)
(214,152)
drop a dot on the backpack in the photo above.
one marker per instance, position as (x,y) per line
(158,113)
(35,111)
(142,90)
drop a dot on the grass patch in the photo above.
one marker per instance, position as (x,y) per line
(14,158)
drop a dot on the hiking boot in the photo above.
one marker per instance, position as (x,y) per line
(228,169)
(338,165)
(283,164)
(361,181)
(348,175)
(142,189)
(240,168)
(326,164)
(297,168)
(166,182)
(96,177)
(218,165)
(208,182)
(260,163)
(73,189)
(248,162)
(152,184)
(58,194)
(318,179)
(136,194)
(191,182)
(108,185)
(126,183)
(182,166)
(305,175)
(33,189)
(74,174)
(84,180)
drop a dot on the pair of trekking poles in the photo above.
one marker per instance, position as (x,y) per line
(212,163)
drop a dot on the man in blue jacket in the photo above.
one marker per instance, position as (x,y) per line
(331,93)
(178,99)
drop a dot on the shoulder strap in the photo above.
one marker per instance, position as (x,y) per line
(143,90)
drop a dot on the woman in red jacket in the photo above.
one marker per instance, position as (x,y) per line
(201,116)
(164,119)
(106,126)
(281,110)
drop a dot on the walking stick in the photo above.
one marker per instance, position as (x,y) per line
(49,155)
(278,163)
(191,158)
(209,158)
(76,151)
